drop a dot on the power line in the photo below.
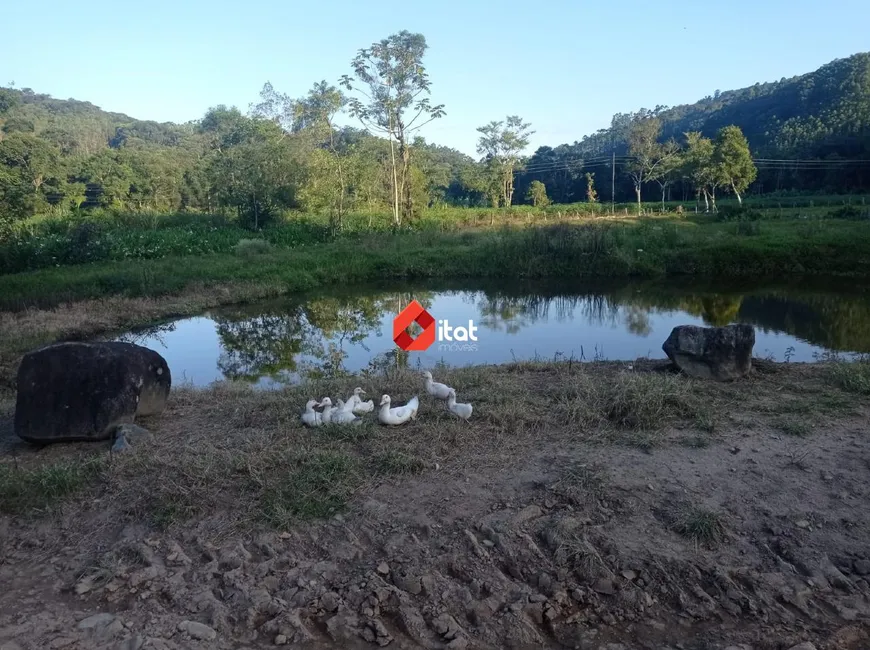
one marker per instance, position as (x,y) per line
(761,163)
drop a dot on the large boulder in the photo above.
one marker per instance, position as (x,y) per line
(721,353)
(82,391)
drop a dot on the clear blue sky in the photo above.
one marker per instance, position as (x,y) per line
(565,65)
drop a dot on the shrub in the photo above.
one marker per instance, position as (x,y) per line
(849,212)
(249,247)
(738,213)
(748,228)
(852,376)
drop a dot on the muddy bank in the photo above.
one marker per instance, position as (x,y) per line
(583,506)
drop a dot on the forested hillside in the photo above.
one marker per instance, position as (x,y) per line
(821,118)
(808,133)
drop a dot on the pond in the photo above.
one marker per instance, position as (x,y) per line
(350,329)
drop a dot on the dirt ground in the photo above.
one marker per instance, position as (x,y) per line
(608,506)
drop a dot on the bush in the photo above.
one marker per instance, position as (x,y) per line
(748,228)
(852,376)
(249,247)
(738,213)
(849,212)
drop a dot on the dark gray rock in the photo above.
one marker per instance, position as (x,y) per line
(720,353)
(133,433)
(83,391)
(121,445)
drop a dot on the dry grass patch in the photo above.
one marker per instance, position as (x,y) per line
(243,455)
(580,483)
(637,407)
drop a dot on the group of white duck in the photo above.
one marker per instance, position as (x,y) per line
(349,411)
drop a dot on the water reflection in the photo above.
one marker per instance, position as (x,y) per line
(350,330)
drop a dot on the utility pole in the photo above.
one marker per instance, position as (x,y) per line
(613,182)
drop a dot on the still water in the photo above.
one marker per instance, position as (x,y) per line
(350,329)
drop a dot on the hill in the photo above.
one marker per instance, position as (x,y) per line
(822,116)
(75,127)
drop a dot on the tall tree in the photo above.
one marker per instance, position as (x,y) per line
(395,89)
(733,161)
(697,167)
(669,170)
(315,114)
(503,143)
(649,159)
(275,107)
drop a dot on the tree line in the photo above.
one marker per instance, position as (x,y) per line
(288,153)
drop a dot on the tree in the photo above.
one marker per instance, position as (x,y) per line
(257,178)
(26,165)
(226,127)
(503,143)
(395,89)
(8,100)
(669,169)
(538,194)
(591,194)
(314,115)
(649,158)
(108,176)
(733,161)
(697,167)
(275,107)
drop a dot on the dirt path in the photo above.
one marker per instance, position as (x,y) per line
(739,521)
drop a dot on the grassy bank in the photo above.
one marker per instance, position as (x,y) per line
(642,248)
(87,237)
(249,448)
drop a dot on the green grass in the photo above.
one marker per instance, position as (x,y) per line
(793,427)
(852,376)
(398,463)
(317,485)
(36,490)
(649,247)
(252,247)
(702,526)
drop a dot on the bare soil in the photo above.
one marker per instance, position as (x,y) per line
(603,506)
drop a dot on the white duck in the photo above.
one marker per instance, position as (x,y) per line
(439,391)
(398,414)
(311,417)
(462,410)
(357,405)
(333,415)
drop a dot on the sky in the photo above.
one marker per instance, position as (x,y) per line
(566,66)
